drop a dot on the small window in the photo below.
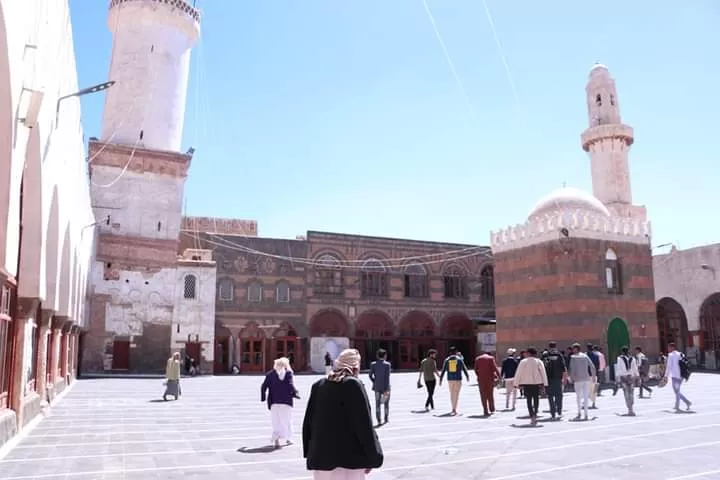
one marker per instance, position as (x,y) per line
(416,281)
(255,293)
(598,100)
(487,284)
(613,277)
(374,281)
(328,277)
(612,100)
(190,287)
(226,290)
(282,293)
(454,283)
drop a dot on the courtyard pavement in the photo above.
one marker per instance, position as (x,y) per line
(118,429)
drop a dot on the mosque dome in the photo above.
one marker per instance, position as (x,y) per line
(568,199)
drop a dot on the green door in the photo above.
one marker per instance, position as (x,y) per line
(618,336)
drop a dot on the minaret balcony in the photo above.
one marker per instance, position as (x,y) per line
(181,5)
(607,131)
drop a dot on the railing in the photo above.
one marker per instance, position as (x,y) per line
(179,4)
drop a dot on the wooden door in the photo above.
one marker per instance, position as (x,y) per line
(410,354)
(121,355)
(252,355)
(192,349)
(222,356)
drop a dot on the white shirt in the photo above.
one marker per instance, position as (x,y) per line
(672,369)
(621,370)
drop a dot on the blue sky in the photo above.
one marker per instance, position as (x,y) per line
(345,116)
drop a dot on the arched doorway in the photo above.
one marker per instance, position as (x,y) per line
(672,324)
(252,348)
(618,336)
(457,331)
(710,325)
(223,350)
(374,330)
(286,343)
(416,334)
(328,323)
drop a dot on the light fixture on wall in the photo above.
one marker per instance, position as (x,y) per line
(85,91)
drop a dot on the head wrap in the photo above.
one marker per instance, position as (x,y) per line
(282,366)
(345,365)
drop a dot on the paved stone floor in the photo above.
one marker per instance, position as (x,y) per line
(117,429)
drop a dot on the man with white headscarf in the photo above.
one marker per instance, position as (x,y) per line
(339,441)
(280,390)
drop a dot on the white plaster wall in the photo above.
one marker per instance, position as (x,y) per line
(195,316)
(321,345)
(150,64)
(139,202)
(40,49)
(136,298)
(679,275)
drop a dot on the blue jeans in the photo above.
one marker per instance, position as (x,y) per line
(676,384)
(378,402)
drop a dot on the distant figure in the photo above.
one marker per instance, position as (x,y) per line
(627,375)
(532,376)
(279,391)
(454,367)
(339,441)
(172,377)
(291,359)
(328,363)
(380,378)
(428,372)
(487,376)
(644,370)
(582,375)
(556,370)
(674,373)
(507,372)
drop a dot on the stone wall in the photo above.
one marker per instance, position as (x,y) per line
(557,292)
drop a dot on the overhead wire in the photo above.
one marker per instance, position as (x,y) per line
(353,264)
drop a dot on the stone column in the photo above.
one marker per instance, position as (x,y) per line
(73,354)
(58,323)
(65,350)
(41,381)
(26,310)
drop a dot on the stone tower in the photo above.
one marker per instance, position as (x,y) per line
(138,176)
(579,269)
(607,141)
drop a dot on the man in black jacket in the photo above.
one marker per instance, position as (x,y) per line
(556,374)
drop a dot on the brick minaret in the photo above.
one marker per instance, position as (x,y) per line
(580,268)
(137,178)
(608,141)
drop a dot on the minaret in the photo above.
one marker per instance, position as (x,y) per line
(608,141)
(137,171)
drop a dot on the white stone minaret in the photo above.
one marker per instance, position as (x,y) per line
(608,141)
(152,42)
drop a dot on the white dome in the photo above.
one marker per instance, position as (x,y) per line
(599,70)
(568,199)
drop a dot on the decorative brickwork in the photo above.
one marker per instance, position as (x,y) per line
(144,160)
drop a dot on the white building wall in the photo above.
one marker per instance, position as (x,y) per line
(139,202)
(40,50)
(680,275)
(152,43)
(195,317)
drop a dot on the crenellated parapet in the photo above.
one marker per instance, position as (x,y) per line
(180,5)
(579,224)
(617,131)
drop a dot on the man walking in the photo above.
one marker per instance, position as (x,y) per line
(380,378)
(428,372)
(674,373)
(507,372)
(454,367)
(557,376)
(644,369)
(582,375)
(487,376)
(627,374)
(595,359)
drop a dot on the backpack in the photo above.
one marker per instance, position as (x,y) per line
(684,367)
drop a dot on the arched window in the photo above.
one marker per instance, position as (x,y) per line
(487,284)
(190,290)
(416,281)
(282,293)
(598,100)
(328,277)
(455,282)
(613,278)
(226,290)
(612,100)
(374,279)
(255,293)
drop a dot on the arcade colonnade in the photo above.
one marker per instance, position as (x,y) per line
(700,341)
(45,243)
(254,347)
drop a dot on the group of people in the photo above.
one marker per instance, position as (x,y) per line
(338,436)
